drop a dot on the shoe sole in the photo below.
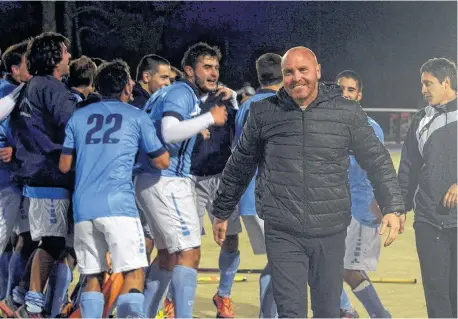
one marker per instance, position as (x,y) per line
(217,314)
(5,311)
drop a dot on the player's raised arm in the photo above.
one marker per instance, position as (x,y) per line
(175,128)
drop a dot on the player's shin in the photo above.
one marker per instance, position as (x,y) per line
(268,307)
(157,282)
(56,293)
(229,261)
(4,262)
(130,302)
(184,281)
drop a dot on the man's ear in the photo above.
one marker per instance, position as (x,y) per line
(318,72)
(189,71)
(447,82)
(360,96)
(145,77)
(15,70)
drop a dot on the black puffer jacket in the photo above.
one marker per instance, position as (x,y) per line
(303,159)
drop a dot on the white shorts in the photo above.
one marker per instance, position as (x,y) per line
(169,204)
(47,217)
(10,203)
(121,236)
(255,228)
(363,245)
(206,187)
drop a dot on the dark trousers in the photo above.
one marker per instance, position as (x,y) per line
(296,261)
(437,252)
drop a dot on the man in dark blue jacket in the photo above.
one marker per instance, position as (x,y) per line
(38,127)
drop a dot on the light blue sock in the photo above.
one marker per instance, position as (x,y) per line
(228,265)
(4,262)
(34,301)
(268,307)
(170,293)
(91,304)
(155,286)
(366,293)
(345,303)
(18,294)
(56,293)
(131,306)
(16,271)
(184,281)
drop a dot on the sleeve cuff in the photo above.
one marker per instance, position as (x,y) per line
(174,114)
(67,151)
(157,153)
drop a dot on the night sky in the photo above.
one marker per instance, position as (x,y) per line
(385,42)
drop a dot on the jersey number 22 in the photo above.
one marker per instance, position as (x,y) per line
(100,122)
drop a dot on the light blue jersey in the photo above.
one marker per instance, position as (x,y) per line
(178,100)
(362,193)
(105,136)
(247,204)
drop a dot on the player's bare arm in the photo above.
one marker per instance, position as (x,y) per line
(65,163)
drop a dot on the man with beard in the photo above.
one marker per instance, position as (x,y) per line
(300,141)
(168,197)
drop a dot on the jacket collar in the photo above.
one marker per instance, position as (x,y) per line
(326,92)
(264,91)
(12,80)
(81,95)
(139,91)
(449,107)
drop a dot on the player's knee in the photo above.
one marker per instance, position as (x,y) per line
(26,245)
(231,243)
(165,260)
(353,278)
(189,258)
(94,282)
(135,275)
(54,246)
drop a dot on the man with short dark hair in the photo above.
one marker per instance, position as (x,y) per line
(300,141)
(175,74)
(168,197)
(268,69)
(153,73)
(428,178)
(81,79)
(362,245)
(106,217)
(38,126)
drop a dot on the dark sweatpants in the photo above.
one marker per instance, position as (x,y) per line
(437,252)
(296,261)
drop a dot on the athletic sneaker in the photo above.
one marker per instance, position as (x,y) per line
(169,308)
(22,312)
(348,313)
(7,307)
(223,306)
